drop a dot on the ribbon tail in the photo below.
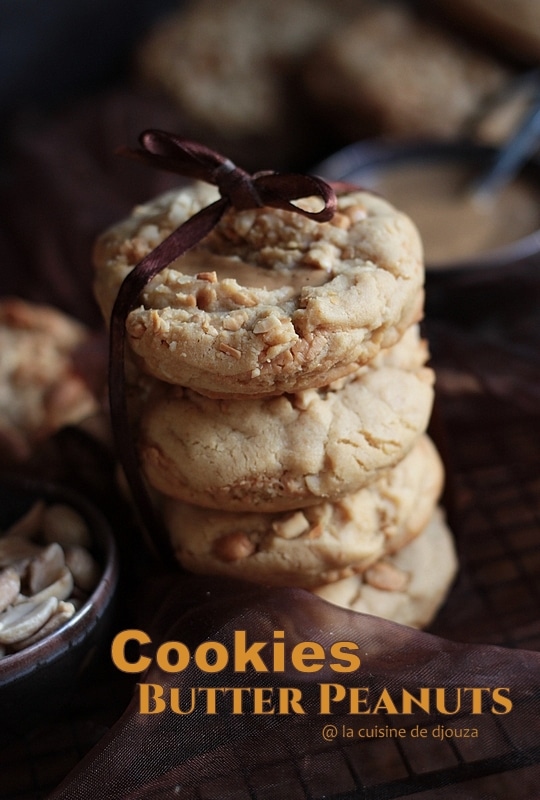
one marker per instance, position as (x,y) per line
(175,245)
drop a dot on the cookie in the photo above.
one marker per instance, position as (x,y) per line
(40,388)
(270,301)
(217,61)
(408,587)
(324,542)
(286,452)
(231,67)
(390,72)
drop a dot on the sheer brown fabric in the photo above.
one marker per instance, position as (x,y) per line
(285,755)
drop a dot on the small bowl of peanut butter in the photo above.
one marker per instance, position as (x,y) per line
(58,579)
(433,183)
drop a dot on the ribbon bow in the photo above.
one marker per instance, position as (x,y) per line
(238,189)
(236,186)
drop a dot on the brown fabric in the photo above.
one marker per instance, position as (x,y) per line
(171,755)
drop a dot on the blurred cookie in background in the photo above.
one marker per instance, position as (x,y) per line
(392,72)
(41,386)
(231,68)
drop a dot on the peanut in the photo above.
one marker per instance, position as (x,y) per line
(44,562)
(64,525)
(292,526)
(24,619)
(386,577)
(234,547)
(10,585)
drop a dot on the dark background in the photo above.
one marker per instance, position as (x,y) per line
(54,50)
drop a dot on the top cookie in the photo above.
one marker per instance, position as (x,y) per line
(270,301)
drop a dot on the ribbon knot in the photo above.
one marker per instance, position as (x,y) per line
(238,187)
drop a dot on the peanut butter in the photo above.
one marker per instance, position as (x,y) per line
(454,225)
(251,275)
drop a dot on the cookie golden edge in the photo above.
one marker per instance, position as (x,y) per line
(321,543)
(408,587)
(279,453)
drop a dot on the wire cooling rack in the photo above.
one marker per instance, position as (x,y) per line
(492,446)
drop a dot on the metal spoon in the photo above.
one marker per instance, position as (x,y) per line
(513,155)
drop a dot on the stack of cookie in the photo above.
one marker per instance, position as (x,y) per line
(280,397)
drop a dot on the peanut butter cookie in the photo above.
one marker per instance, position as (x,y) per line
(323,542)
(270,301)
(231,70)
(40,388)
(286,452)
(408,587)
(393,73)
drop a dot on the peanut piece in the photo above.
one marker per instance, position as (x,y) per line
(265,324)
(63,613)
(232,323)
(22,620)
(46,568)
(341,221)
(234,546)
(206,297)
(355,212)
(322,257)
(207,276)
(228,350)
(10,585)
(83,567)
(292,526)
(246,299)
(60,589)
(275,350)
(64,525)
(385,576)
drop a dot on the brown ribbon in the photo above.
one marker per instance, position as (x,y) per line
(238,189)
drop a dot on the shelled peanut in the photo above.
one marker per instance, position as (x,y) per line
(46,574)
